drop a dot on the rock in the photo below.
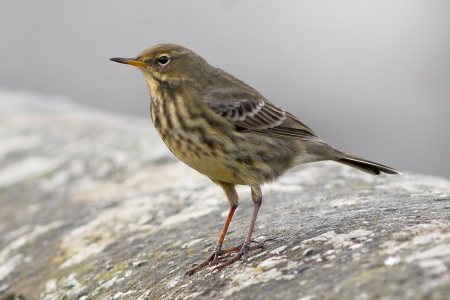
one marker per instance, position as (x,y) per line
(93,206)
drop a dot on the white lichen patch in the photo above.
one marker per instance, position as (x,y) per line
(21,240)
(144,296)
(272,262)
(191,243)
(108,284)
(432,260)
(174,282)
(208,201)
(432,233)
(159,178)
(123,295)
(51,286)
(66,288)
(264,271)
(392,261)
(75,258)
(339,241)
(278,250)
(439,251)
(292,265)
(9,265)
(91,238)
(18,143)
(25,169)
(433,237)
(355,246)
(257,256)
(309,297)
(17,232)
(252,276)
(346,201)
(191,212)
(343,240)
(193,295)
(57,180)
(323,238)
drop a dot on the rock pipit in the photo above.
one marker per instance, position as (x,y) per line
(226,130)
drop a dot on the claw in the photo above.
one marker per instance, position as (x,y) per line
(232,260)
(242,252)
(200,265)
(215,259)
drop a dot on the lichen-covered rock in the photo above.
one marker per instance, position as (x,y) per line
(93,206)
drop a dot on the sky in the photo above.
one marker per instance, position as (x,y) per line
(370,77)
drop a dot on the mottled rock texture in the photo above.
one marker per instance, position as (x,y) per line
(93,206)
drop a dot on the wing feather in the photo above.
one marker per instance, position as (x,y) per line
(249,114)
(259,115)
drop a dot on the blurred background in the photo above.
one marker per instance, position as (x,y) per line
(370,77)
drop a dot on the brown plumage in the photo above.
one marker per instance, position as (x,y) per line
(226,130)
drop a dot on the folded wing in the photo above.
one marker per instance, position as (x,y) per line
(261,116)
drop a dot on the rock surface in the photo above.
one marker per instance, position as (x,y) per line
(93,206)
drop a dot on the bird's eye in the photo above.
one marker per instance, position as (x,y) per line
(163,60)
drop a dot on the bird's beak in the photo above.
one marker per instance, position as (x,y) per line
(130,61)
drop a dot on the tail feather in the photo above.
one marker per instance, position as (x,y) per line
(366,165)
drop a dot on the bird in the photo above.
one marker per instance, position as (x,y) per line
(226,130)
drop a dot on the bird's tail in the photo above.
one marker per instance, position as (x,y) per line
(364,165)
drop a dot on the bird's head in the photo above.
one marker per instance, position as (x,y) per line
(168,63)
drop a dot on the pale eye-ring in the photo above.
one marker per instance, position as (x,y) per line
(163,60)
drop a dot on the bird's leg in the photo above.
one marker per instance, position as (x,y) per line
(232,198)
(214,257)
(245,247)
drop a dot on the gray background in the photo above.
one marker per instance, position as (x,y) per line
(370,77)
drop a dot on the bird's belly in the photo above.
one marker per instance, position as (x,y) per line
(243,161)
(212,163)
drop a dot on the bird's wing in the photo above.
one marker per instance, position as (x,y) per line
(254,115)
(260,116)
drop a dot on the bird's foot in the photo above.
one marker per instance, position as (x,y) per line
(243,250)
(213,259)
